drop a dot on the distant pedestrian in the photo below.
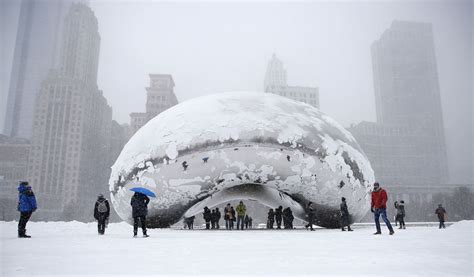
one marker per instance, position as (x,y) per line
(232,211)
(246,221)
(400,213)
(278,216)
(205,159)
(442,215)
(241,210)
(185,165)
(250,222)
(189,221)
(379,208)
(139,203)
(101,213)
(218,217)
(344,215)
(207,217)
(213,219)
(26,207)
(288,158)
(288,218)
(227,216)
(310,215)
(270,219)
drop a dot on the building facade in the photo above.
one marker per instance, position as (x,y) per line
(406,146)
(160,97)
(69,160)
(36,47)
(276,83)
(14,154)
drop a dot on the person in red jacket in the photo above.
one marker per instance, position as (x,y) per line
(379,208)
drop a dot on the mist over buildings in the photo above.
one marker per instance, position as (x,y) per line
(206,48)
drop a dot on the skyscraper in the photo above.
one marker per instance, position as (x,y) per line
(71,132)
(36,48)
(407,145)
(160,96)
(276,83)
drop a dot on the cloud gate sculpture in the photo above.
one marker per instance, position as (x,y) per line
(213,149)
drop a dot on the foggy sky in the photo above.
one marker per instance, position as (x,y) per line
(216,47)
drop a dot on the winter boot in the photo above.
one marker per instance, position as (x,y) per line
(377,233)
(349,229)
(342,229)
(392,232)
(144,234)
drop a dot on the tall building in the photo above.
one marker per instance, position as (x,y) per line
(406,146)
(36,48)
(276,82)
(13,167)
(160,97)
(69,156)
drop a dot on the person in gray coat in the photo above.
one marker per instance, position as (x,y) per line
(344,215)
(400,213)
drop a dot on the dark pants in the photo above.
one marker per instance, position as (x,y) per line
(135,224)
(240,222)
(24,217)
(270,224)
(101,224)
(383,213)
(208,225)
(441,224)
(401,219)
(310,222)
(227,224)
(278,220)
(217,224)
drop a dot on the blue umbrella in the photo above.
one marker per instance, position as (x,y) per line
(144,191)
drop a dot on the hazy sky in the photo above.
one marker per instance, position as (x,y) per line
(214,47)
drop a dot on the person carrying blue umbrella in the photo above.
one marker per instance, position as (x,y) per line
(139,204)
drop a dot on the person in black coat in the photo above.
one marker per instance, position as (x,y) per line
(288,218)
(232,211)
(213,219)
(139,205)
(442,214)
(278,216)
(207,217)
(218,217)
(344,215)
(310,214)
(270,219)
(101,213)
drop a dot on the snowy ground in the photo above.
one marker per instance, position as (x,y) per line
(75,249)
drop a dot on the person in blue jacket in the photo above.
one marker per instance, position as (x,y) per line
(26,206)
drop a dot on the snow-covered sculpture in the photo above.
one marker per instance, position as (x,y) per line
(210,150)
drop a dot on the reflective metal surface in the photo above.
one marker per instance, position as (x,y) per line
(212,149)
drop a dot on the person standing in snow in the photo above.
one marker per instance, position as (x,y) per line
(344,215)
(101,213)
(400,213)
(232,211)
(379,208)
(218,217)
(207,217)
(309,209)
(278,216)
(270,219)
(213,219)
(241,210)
(250,222)
(26,207)
(442,214)
(227,216)
(139,205)
(246,221)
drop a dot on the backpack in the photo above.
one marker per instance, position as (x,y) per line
(102,207)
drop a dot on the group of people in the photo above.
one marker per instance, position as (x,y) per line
(139,202)
(279,215)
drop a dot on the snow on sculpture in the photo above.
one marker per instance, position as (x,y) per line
(242,145)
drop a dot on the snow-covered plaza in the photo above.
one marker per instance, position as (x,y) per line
(73,248)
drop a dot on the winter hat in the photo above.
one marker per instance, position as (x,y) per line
(402,202)
(343,199)
(101,195)
(23,183)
